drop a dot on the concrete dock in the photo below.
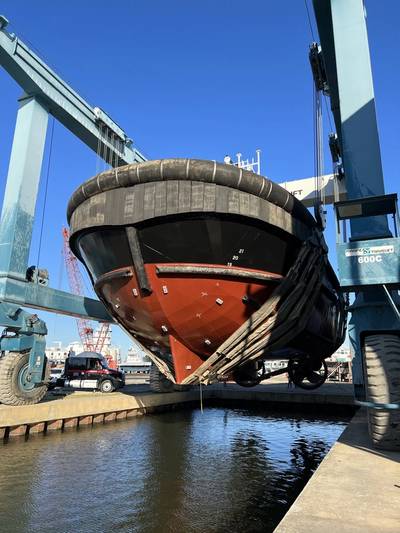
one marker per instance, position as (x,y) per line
(82,409)
(277,391)
(355,489)
(60,411)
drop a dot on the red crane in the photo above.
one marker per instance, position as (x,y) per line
(85,327)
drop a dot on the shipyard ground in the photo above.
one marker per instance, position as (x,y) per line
(361,484)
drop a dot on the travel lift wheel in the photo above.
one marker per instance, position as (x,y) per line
(15,389)
(382,377)
(160,383)
(250,374)
(307,373)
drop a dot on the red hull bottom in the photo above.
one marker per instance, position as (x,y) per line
(187,316)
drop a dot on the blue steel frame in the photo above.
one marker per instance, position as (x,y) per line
(24,332)
(344,42)
(45,93)
(17,217)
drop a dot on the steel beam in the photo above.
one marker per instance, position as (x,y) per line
(23,178)
(90,124)
(45,93)
(344,41)
(305,189)
(16,291)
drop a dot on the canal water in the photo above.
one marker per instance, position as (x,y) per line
(226,470)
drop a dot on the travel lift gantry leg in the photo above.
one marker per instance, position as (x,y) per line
(369,263)
(22,344)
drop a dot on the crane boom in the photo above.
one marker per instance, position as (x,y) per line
(85,327)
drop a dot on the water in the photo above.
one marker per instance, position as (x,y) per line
(228,470)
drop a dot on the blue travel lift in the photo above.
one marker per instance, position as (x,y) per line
(368,262)
(368,254)
(22,344)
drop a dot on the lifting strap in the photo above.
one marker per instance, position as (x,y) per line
(278,321)
(281,318)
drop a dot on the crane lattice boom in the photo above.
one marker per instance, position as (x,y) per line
(75,280)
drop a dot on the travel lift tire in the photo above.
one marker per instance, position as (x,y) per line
(382,372)
(307,373)
(14,389)
(160,383)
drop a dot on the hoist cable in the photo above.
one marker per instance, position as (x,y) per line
(98,151)
(328,112)
(106,151)
(116,150)
(319,156)
(102,154)
(309,20)
(113,149)
(313,38)
(317,129)
(314,144)
(45,193)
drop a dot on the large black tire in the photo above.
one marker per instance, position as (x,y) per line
(382,371)
(12,365)
(182,388)
(160,383)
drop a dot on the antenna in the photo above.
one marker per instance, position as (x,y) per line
(253,165)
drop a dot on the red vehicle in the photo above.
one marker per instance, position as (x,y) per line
(89,370)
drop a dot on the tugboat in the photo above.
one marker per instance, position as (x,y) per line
(212,268)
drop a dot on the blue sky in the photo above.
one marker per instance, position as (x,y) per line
(198,78)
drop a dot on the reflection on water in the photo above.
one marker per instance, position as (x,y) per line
(228,470)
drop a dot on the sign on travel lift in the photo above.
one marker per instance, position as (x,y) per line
(369,262)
